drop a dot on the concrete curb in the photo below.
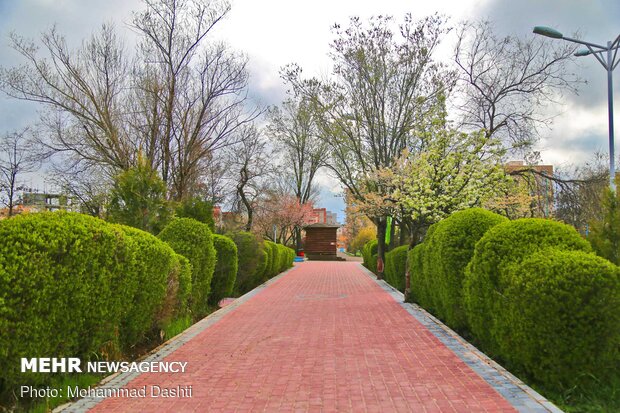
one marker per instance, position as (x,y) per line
(118,380)
(518,394)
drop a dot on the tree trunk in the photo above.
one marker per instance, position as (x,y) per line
(297,239)
(381,229)
(392,236)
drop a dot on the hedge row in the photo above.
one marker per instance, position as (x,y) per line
(529,291)
(73,285)
(395,267)
(194,241)
(369,254)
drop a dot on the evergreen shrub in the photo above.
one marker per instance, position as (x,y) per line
(395,267)
(194,241)
(486,275)
(225,272)
(449,249)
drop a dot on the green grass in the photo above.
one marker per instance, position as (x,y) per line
(601,397)
(60,382)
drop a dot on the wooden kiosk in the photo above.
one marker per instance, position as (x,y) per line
(321,242)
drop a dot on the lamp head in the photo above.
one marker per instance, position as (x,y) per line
(582,52)
(548,32)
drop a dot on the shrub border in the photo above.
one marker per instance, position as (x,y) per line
(522,397)
(118,380)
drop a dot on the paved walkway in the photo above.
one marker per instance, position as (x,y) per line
(324,337)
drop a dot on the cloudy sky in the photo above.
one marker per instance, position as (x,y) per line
(276,32)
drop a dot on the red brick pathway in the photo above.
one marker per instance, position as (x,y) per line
(323,338)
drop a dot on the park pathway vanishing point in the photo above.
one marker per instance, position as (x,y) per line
(324,337)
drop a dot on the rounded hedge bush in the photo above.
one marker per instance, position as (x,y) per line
(249,252)
(67,282)
(182,302)
(225,272)
(419,293)
(449,248)
(561,321)
(273,262)
(507,244)
(395,267)
(194,241)
(157,277)
(262,268)
(369,254)
(421,286)
(286,257)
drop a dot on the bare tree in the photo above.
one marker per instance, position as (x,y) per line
(196,91)
(82,90)
(383,85)
(293,129)
(180,99)
(17,157)
(503,81)
(252,167)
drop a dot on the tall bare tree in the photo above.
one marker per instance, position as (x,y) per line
(180,99)
(294,130)
(251,167)
(82,91)
(384,81)
(196,90)
(504,81)
(17,156)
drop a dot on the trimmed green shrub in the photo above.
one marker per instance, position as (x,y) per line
(560,323)
(198,209)
(156,276)
(225,272)
(66,280)
(507,244)
(422,288)
(450,247)
(182,303)
(286,256)
(194,241)
(262,268)
(273,262)
(250,252)
(369,254)
(396,266)
(419,290)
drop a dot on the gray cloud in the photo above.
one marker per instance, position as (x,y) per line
(595,21)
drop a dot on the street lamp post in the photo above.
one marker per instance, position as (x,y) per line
(606,55)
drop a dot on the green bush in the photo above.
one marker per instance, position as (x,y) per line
(369,254)
(286,256)
(182,302)
(250,252)
(138,199)
(273,262)
(561,320)
(194,241)
(419,290)
(449,248)
(66,280)
(501,246)
(225,272)
(395,267)
(156,276)
(262,268)
(198,209)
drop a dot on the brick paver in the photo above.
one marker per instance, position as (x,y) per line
(323,338)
